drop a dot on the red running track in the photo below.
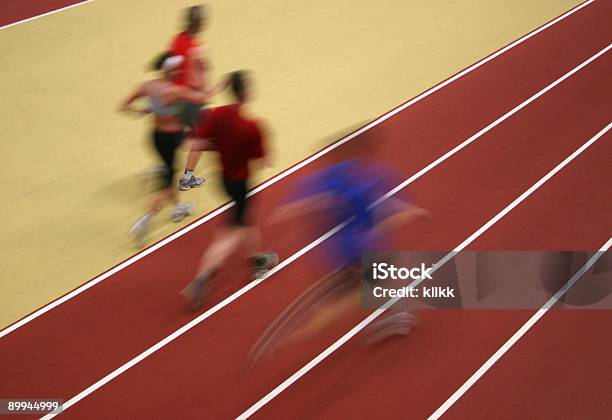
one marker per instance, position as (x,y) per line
(18,10)
(562,368)
(417,375)
(71,347)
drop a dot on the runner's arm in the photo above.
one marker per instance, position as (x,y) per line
(221,85)
(190,95)
(259,151)
(126,105)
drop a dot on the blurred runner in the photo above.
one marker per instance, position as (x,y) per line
(237,140)
(165,97)
(193,71)
(346,192)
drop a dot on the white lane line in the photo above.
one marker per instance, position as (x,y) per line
(313,244)
(277,178)
(346,337)
(8,25)
(518,334)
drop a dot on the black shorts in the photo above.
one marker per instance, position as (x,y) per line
(237,190)
(165,144)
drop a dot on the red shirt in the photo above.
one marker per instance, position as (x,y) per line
(187,46)
(237,139)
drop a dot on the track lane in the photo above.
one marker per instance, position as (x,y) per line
(560,368)
(215,359)
(406,382)
(416,376)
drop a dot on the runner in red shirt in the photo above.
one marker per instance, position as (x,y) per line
(187,45)
(237,140)
(193,75)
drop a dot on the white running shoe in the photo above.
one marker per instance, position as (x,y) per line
(189,183)
(393,324)
(181,211)
(139,230)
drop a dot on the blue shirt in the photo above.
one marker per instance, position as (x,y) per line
(353,185)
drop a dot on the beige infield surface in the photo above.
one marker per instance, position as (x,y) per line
(69,188)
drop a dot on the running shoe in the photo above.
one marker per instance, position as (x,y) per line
(181,211)
(140,229)
(196,291)
(263,263)
(193,182)
(392,324)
